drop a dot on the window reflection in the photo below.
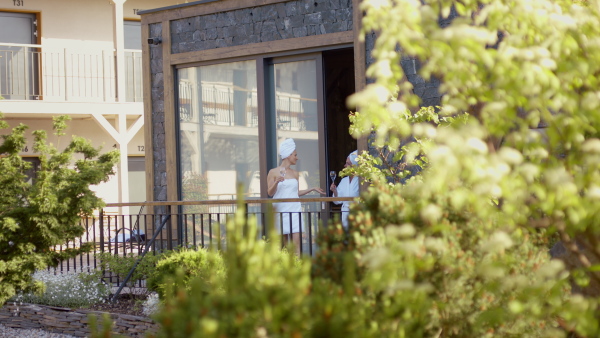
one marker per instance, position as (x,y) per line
(296,115)
(218,131)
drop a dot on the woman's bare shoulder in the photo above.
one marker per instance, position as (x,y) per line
(272,172)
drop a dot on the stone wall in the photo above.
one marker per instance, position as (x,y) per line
(292,19)
(426,90)
(158,116)
(71,322)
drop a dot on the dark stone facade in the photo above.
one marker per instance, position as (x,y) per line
(426,90)
(280,21)
(158,116)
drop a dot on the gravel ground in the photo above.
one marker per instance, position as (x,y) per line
(7,332)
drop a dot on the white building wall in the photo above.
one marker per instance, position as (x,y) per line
(82,31)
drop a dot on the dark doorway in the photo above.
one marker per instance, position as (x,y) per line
(19,64)
(31,173)
(338,71)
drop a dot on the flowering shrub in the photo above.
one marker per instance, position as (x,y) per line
(151,304)
(73,289)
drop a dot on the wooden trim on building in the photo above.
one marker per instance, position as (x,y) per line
(206,8)
(169,108)
(270,47)
(228,202)
(360,65)
(262,127)
(148,125)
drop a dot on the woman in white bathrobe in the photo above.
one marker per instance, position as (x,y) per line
(283,183)
(348,187)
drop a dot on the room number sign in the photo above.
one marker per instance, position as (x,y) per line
(18,3)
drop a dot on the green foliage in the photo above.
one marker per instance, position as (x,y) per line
(497,188)
(190,263)
(395,162)
(332,242)
(36,217)
(120,265)
(105,330)
(263,291)
(461,250)
(411,284)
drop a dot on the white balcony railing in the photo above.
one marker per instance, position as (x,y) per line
(218,107)
(31,72)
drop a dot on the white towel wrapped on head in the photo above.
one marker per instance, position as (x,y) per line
(286,148)
(353,157)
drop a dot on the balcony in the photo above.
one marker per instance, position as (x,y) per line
(32,72)
(220,105)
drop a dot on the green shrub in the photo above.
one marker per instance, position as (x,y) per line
(191,263)
(332,242)
(120,265)
(460,250)
(264,291)
(36,217)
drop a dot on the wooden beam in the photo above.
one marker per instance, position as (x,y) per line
(108,127)
(313,41)
(203,9)
(229,202)
(360,69)
(169,108)
(135,127)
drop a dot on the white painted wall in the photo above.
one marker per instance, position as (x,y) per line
(81,28)
(80,24)
(85,128)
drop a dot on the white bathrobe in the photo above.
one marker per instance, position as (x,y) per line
(347,189)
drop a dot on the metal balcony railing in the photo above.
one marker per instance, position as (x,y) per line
(32,72)
(230,106)
(193,224)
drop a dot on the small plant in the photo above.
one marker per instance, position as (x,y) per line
(73,289)
(121,265)
(103,329)
(151,305)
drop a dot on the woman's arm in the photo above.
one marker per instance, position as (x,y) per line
(272,182)
(304,192)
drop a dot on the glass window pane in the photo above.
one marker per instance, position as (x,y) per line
(132,30)
(218,131)
(296,116)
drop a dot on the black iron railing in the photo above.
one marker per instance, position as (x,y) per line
(193,224)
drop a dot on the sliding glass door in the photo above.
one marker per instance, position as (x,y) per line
(294,110)
(218,131)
